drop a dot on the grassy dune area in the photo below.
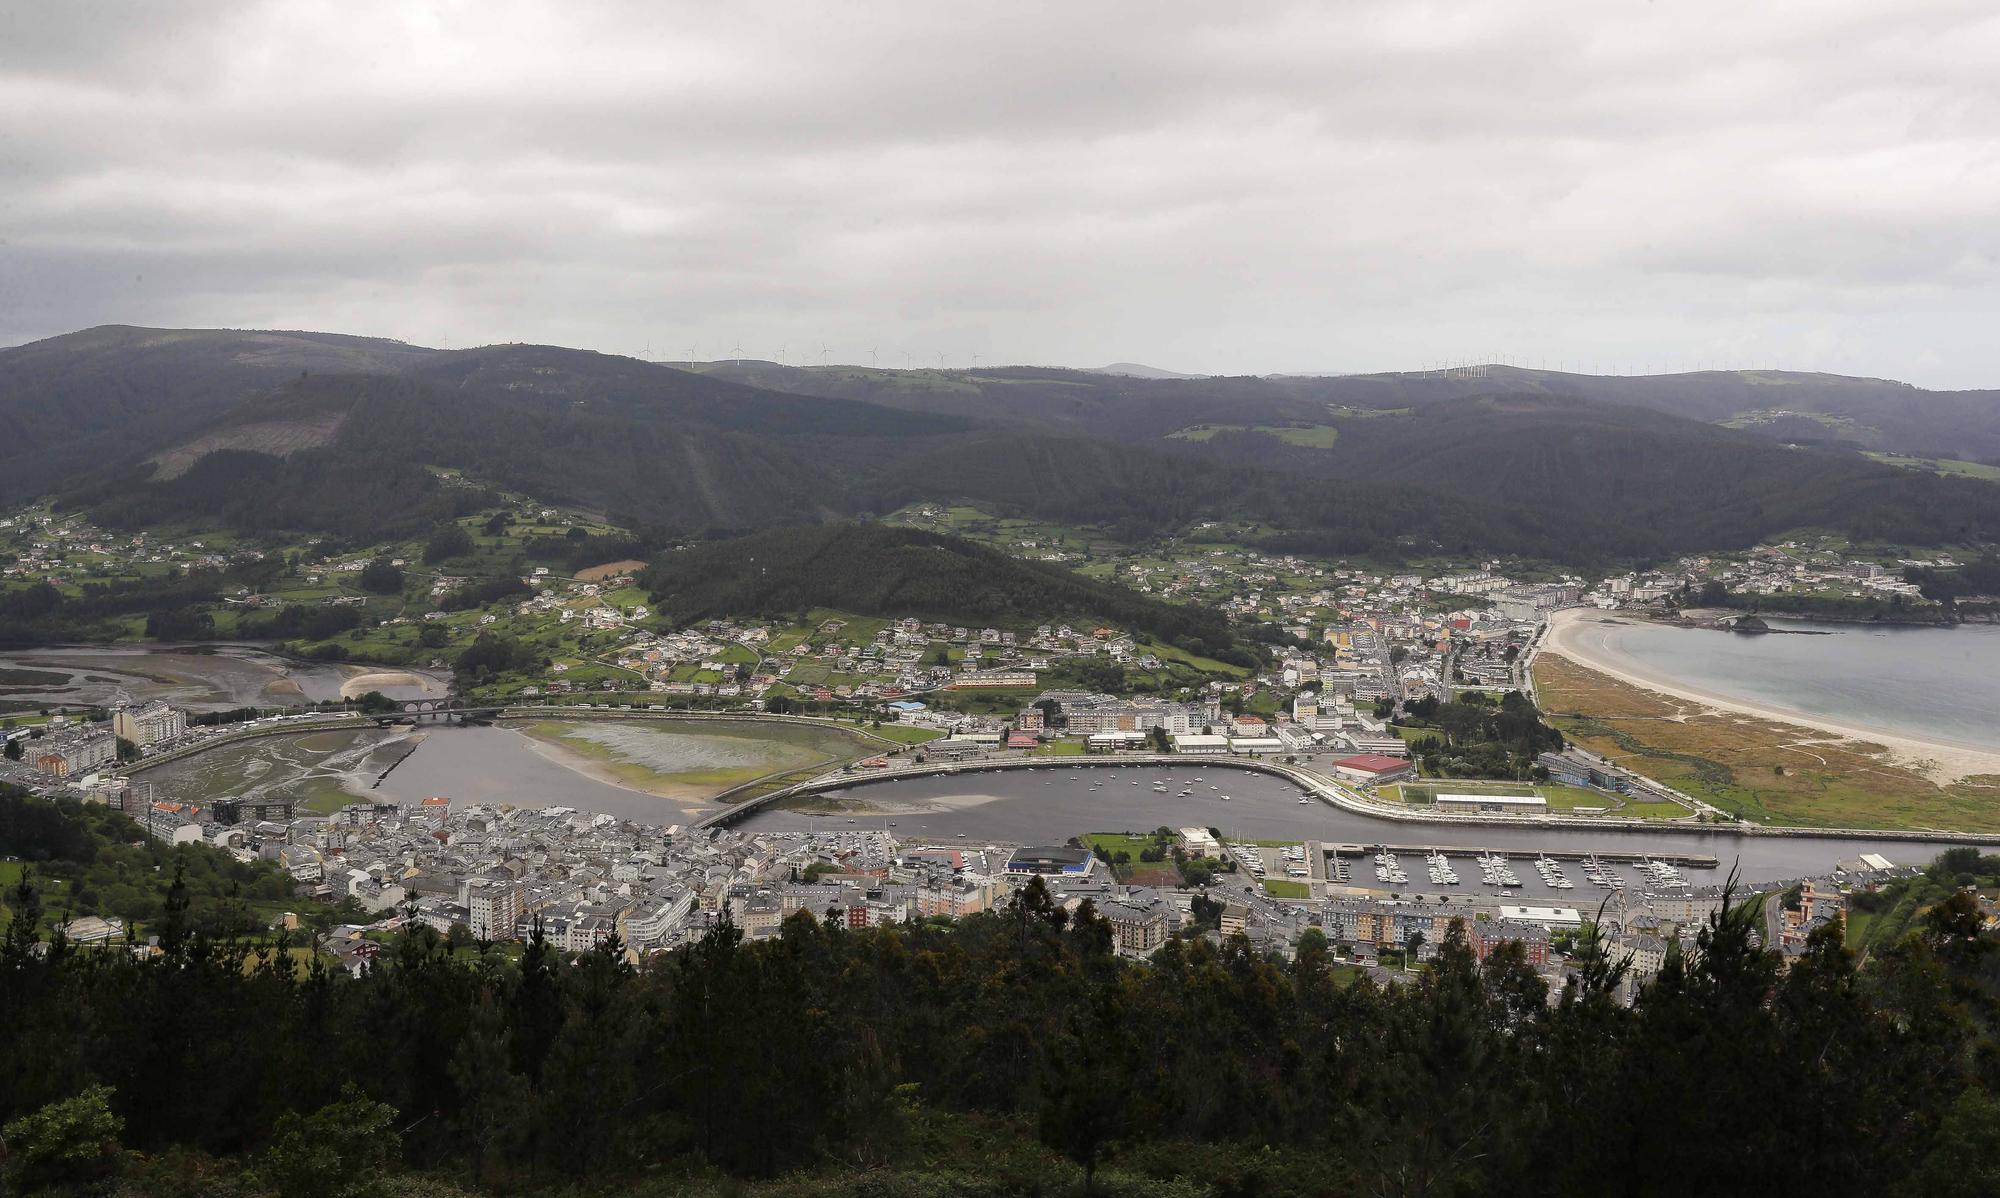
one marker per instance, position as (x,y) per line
(1763,770)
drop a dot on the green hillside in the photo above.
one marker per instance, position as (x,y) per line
(306,432)
(879,570)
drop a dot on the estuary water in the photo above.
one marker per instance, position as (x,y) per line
(1050,805)
(1931,684)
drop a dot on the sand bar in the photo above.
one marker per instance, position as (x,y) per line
(375,680)
(1578,634)
(689,798)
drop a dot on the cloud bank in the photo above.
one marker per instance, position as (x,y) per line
(1344,186)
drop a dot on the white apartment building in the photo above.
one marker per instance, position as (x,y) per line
(147,724)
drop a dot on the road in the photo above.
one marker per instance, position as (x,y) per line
(1773,918)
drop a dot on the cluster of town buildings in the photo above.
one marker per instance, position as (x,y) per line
(579,879)
(63,548)
(502,873)
(1799,568)
(66,748)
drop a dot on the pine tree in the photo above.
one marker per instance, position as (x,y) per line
(176,929)
(24,929)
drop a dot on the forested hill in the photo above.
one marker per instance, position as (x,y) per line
(878,570)
(1782,404)
(1675,482)
(1138,492)
(317,432)
(1618,469)
(75,404)
(346,453)
(674,453)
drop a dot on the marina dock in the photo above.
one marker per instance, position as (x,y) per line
(1608,856)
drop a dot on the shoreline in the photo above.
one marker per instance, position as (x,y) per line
(1941,761)
(597,771)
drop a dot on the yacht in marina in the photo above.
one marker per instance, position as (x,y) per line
(1495,871)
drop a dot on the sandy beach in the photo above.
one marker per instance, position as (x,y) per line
(1579,634)
(374,680)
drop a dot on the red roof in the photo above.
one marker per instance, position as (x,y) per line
(1374,763)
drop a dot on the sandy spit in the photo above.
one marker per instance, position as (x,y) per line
(1942,761)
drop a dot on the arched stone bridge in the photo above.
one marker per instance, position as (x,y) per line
(438,711)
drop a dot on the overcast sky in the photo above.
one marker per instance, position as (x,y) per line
(1601,185)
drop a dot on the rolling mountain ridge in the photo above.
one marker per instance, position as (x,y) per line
(312,431)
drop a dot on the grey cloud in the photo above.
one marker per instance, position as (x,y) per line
(1229,188)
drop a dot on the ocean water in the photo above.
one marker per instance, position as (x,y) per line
(1939,684)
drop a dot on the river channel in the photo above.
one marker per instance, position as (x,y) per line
(1050,805)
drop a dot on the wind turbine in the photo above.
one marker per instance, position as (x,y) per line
(824,350)
(871,357)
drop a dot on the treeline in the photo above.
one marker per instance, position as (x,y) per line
(879,570)
(302,621)
(1140,493)
(41,613)
(574,553)
(1014,1053)
(483,592)
(356,494)
(1861,609)
(1479,738)
(233,715)
(490,655)
(1979,578)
